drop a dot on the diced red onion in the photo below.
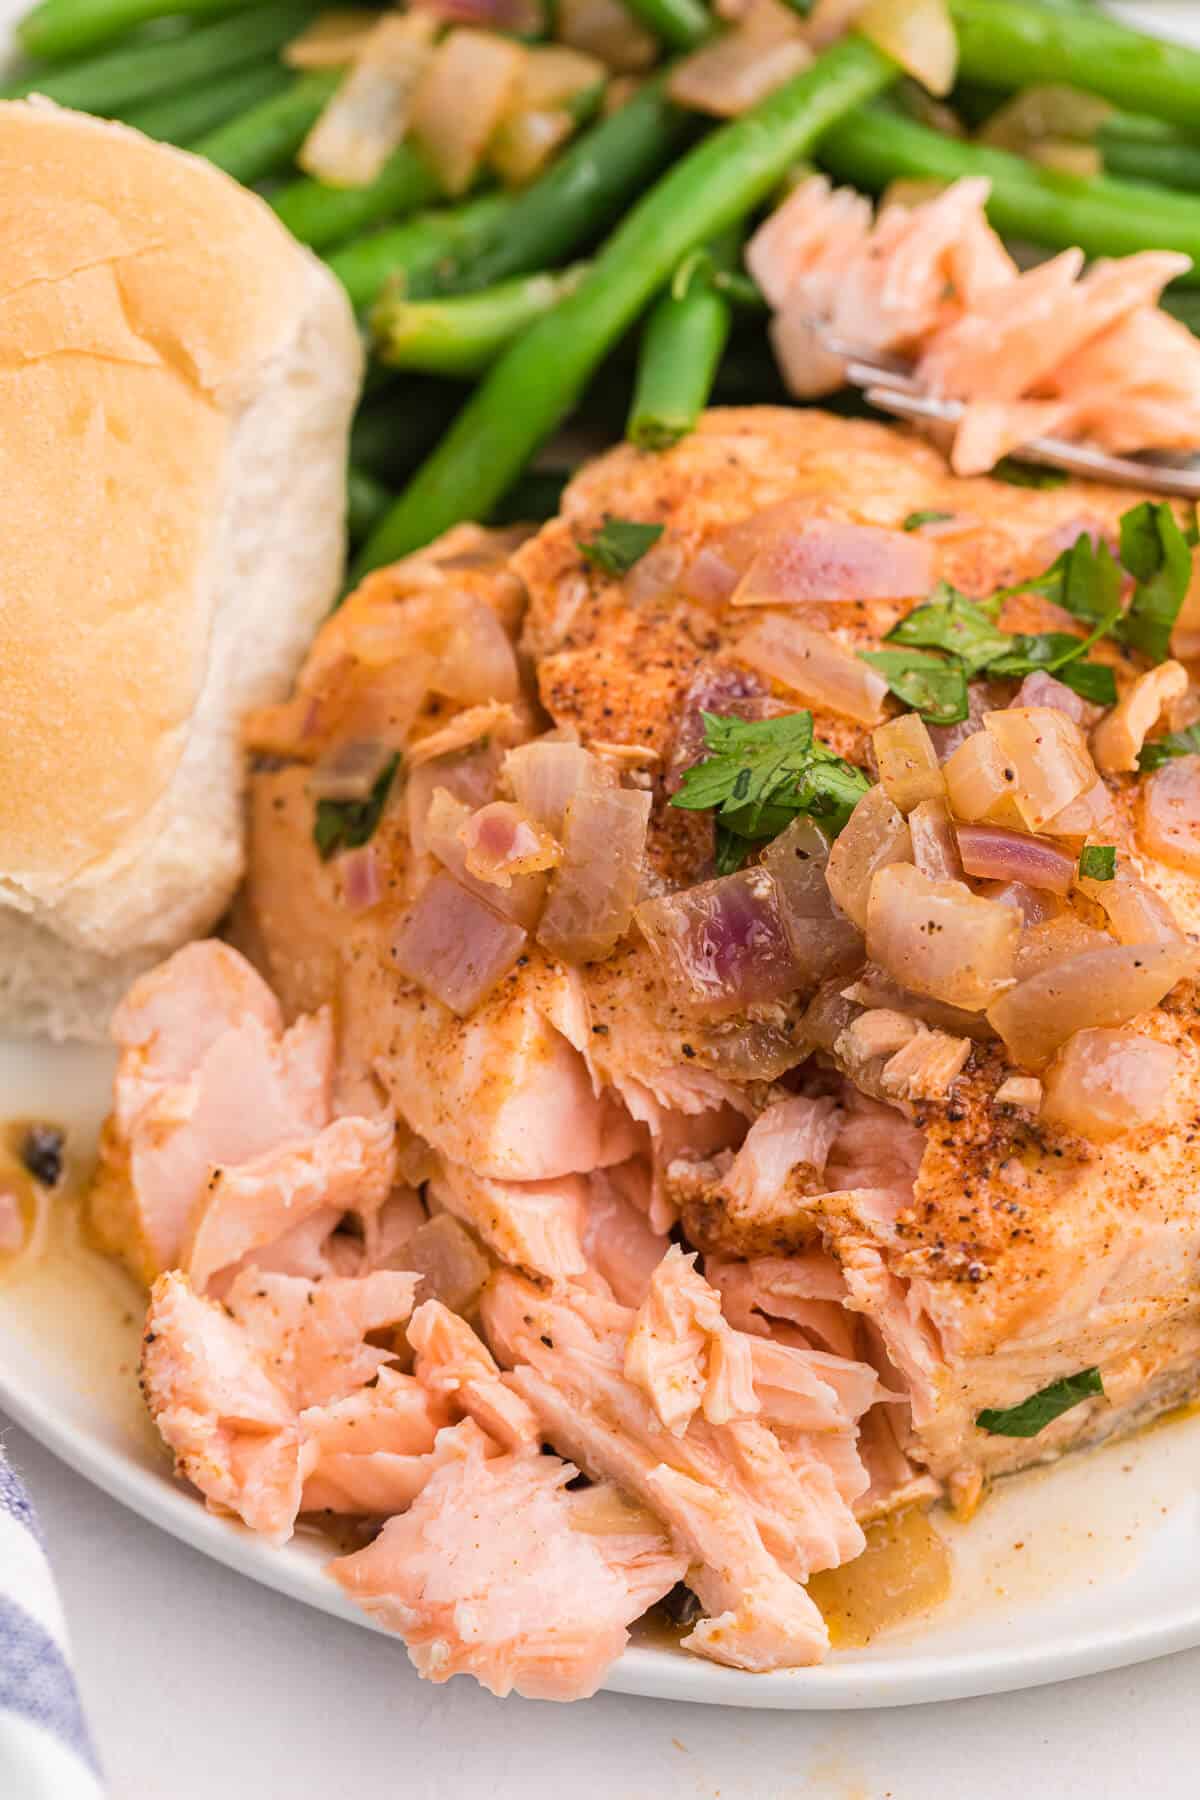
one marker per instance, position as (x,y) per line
(1040,689)
(592,895)
(455,947)
(831,560)
(1104,1083)
(934,843)
(450,1263)
(502,841)
(1169,814)
(823,940)
(947,738)
(518,18)
(876,835)
(1035,905)
(349,770)
(521,900)
(723,944)
(470,778)
(1049,756)
(361,878)
(940,939)
(546,775)
(995,854)
(815,667)
(1135,913)
(1106,987)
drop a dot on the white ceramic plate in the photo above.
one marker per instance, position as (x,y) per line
(1088,1566)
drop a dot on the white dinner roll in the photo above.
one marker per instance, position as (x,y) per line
(177,378)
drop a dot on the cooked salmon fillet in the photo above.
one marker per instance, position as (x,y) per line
(535,1136)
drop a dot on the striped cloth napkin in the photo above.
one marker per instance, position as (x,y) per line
(45,1750)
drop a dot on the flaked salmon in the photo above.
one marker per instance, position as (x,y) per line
(1049,351)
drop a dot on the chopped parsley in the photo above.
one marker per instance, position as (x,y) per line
(759,774)
(1177,743)
(930,685)
(964,628)
(348,824)
(930,516)
(1028,475)
(1098,862)
(952,639)
(1041,1409)
(619,544)
(1158,556)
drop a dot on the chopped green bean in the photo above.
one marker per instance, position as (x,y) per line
(128,77)
(1104,216)
(461,334)
(681,24)
(1012,44)
(68,28)
(682,344)
(179,118)
(323,216)
(416,247)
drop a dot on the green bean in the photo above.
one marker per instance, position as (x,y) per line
(67,28)
(681,24)
(537,381)
(322,216)
(1161,164)
(461,334)
(400,424)
(581,193)
(265,139)
(178,118)
(1104,216)
(415,248)
(127,77)
(367,499)
(1010,43)
(682,344)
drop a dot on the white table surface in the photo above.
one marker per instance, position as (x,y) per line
(200,1685)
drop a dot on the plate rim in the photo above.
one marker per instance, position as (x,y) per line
(644,1671)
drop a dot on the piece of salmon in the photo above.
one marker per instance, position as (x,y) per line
(1050,350)
(882,1251)
(759,1512)
(222,1138)
(499,1572)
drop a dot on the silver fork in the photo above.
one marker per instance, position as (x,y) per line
(889,384)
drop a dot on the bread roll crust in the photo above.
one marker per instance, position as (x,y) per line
(177,377)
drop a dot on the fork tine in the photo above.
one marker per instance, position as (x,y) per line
(1055,453)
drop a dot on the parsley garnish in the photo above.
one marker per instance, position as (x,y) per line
(1042,1408)
(619,544)
(930,516)
(949,621)
(930,685)
(1098,862)
(759,774)
(1177,743)
(348,824)
(973,644)
(1157,555)
(1028,475)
